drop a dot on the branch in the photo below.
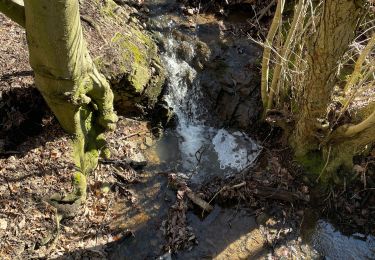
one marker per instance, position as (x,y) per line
(286,49)
(355,129)
(267,50)
(346,131)
(356,74)
(14,9)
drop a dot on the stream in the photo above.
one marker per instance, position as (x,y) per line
(201,146)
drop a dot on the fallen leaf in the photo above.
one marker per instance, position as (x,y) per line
(3,224)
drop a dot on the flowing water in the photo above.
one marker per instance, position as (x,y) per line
(201,148)
(330,243)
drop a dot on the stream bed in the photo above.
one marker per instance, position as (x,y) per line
(202,147)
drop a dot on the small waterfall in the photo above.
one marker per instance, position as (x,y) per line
(204,150)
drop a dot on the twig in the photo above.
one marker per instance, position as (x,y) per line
(134,134)
(326,164)
(239,185)
(355,194)
(224,188)
(181,185)
(9,187)
(265,10)
(92,23)
(278,194)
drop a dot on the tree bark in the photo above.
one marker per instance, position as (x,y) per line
(347,141)
(77,93)
(336,30)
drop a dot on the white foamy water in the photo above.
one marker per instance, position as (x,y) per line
(203,149)
(233,150)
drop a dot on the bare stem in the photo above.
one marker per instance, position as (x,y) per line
(267,50)
(285,52)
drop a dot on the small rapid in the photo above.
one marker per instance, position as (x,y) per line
(204,149)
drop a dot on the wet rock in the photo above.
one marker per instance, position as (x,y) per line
(227,106)
(167,256)
(262,218)
(231,82)
(135,157)
(185,51)
(162,115)
(145,9)
(190,11)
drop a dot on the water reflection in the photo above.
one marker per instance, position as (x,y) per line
(331,244)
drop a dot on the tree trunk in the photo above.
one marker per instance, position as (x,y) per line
(335,32)
(79,96)
(77,93)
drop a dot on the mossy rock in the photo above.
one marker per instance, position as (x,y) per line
(125,53)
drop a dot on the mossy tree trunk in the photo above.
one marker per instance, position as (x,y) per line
(76,92)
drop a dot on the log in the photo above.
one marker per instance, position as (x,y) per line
(278,194)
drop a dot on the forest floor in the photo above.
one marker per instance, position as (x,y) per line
(35,162)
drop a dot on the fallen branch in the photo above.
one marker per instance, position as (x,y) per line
(134,134)
(198,201)
(181,186)
(277,194)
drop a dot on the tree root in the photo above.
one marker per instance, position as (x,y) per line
(52,238)
(66,206)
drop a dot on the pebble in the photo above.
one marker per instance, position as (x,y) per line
(190,11)
(145,9)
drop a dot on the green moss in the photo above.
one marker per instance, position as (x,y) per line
(127,63)
(108,9)
(312,163)
(99,62)
(139,74)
